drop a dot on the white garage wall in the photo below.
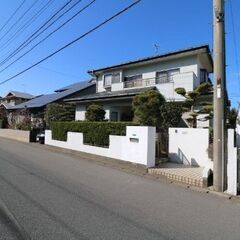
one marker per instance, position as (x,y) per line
(189,146)
(138,146)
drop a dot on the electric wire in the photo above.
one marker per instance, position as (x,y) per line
(28,23)
(12,16)
(38,31)
(73,41)
(18,20)
(50,34)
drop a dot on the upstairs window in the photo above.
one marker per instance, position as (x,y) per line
(111,78)
(203,75)
(107,79)
(166,76)
(133,81)
(133,78)
(116,78)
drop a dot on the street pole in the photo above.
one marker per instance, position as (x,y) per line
(219,127)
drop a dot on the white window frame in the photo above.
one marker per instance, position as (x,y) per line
(167,73)
(111,74)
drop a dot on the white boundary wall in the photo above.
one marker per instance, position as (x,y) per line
(232,167)
(189,146)
(138,146)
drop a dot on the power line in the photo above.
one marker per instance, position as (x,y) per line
(235,40)
(11,17)
(73,41)
(25,25)
(44,39)
(31,38)
(19,19)
(58,72)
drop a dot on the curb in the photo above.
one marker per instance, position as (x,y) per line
(14,224)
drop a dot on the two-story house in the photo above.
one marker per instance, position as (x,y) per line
(117,85)
(13,98)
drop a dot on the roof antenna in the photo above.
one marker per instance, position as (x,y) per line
(157,46)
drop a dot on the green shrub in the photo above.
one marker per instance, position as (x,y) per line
(24,126)
(171,115)
(59,112)
(180,91)
(146,108)
(94,133)
(95,113)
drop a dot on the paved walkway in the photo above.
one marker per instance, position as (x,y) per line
(179,172)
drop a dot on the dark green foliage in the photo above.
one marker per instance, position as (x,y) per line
(180,91)
(23,126)
(146,108)
(95,113)
(191,98)
(232,118)
(204,88)
(171,114)
(210,135)
(59,112)
(193,95)
(208,108)
(94,133)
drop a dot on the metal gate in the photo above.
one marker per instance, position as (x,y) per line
(161,145)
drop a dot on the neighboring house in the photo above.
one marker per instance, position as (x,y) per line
(37,105)
(13,98)
(118,84)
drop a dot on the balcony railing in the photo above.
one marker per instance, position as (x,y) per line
(140,83)
(147,82)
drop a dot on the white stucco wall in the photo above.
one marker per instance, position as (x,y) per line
(189,146)
(138,146)
(232,166)
(80,112)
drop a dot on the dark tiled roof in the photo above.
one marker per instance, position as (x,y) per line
(76,85)
(49,98)
(6,105)
(106,95)
(20,95)
(151,58)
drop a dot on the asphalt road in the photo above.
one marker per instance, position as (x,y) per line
(58,196)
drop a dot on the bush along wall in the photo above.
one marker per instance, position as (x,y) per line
(94,133)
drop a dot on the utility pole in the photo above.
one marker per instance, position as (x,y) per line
(219,128)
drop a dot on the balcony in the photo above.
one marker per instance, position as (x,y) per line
(188,80)
(140,83)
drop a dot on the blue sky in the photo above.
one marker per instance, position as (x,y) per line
(171,24)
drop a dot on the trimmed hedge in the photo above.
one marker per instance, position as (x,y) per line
(94,133)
